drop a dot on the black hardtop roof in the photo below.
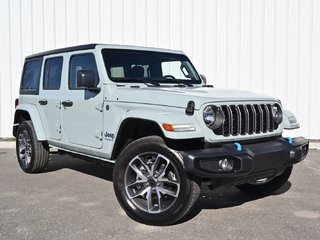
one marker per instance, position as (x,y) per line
(63,50)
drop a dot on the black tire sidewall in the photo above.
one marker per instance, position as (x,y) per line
(25,126)
(167,217)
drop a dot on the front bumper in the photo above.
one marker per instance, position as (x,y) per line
(248,160)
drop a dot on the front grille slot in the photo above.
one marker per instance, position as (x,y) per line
(246,119)
(258,118)
(272,125)
(235,122)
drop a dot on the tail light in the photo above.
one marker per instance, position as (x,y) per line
(16,102)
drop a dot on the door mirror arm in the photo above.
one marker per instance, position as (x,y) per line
(94,89)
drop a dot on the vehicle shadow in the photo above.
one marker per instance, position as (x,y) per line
(226,198)
(209,199)
(58,162)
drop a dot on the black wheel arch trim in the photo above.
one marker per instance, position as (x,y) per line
(121,137)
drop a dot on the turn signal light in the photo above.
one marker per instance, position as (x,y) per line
(178,127)
(168,127)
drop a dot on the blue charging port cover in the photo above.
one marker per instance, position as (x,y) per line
(238,146)
(290,140)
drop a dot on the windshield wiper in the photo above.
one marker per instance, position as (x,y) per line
(181,83)
(148,82)
(140,80)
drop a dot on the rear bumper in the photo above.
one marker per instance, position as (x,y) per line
(252,159)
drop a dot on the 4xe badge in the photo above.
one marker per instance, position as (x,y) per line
(109,136)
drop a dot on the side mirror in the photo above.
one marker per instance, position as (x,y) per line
(204,79)
(85,79)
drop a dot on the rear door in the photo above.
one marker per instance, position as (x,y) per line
(49,96)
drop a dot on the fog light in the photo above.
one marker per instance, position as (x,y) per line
(226,164)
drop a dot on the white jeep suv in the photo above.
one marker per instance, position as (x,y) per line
(150,113)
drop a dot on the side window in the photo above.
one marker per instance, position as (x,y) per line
(52,73)
(31,76)
(82,62)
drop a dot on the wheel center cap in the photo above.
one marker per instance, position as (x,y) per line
(152,181)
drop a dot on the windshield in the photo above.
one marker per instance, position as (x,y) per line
(142,66)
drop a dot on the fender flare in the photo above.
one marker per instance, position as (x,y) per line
(289,120)
(35,118)
(168,117)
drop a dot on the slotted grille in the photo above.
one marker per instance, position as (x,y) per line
(246,119)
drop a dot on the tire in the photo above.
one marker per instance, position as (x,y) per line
(270,186)
(32,155)
(151,184)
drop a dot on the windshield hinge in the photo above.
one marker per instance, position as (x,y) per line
(190,108)
(99,107)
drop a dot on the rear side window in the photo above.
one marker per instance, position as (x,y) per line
(82,62)
(52,73)
(31,76)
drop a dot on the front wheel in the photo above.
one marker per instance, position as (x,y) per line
(150,183)
(267,185)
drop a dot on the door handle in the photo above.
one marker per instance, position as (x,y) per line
(67,103)
(43,102)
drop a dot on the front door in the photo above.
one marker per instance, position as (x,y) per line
(82,110)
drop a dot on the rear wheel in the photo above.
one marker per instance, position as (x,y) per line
(151,184)
(267,185)
(33,155)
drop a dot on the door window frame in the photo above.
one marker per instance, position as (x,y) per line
(36,90)
(44,73)
(69,70)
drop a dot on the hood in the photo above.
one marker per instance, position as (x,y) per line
(179,97)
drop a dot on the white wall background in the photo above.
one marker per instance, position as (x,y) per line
(267,46)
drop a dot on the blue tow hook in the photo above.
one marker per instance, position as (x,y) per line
(238,146)
(290,140)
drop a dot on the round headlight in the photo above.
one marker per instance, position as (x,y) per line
(276,113)
(209,116)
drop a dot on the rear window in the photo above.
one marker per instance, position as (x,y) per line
(52,73)
(31,76)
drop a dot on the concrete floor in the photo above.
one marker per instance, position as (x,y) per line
(74,199)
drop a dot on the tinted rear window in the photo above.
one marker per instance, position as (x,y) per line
(31,76)
(52,73)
